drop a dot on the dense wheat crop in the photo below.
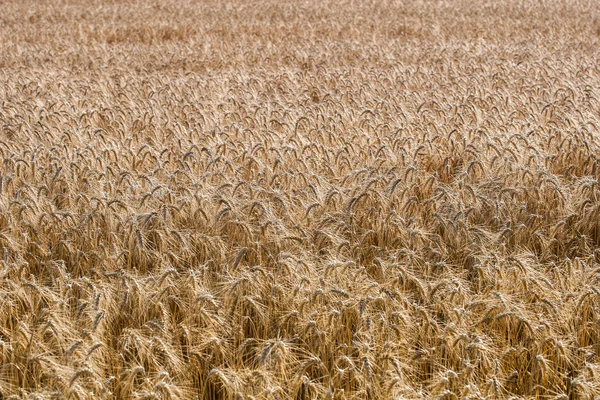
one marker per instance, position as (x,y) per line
(299,200)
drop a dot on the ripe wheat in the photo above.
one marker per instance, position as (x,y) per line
(327,199)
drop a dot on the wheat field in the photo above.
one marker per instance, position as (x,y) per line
(299,200)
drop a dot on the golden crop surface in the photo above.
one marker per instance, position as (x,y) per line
(299,200)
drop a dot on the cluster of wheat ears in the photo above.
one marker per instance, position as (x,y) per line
(301,200)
